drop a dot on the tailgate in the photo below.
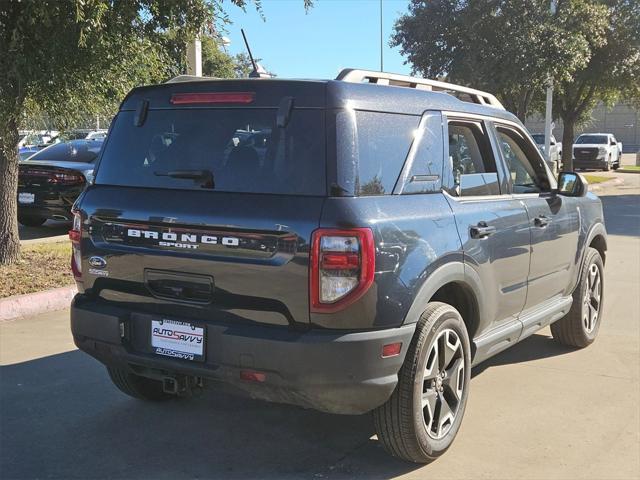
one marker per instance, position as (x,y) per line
(200,254)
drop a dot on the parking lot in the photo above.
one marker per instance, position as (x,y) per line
(538,410)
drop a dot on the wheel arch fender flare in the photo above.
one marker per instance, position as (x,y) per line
(598,229)
(452,272)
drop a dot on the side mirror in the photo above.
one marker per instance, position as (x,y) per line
(572,184)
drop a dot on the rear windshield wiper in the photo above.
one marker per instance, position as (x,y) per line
(202,177)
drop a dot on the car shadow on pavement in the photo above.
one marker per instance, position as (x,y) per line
(60,417)
(536,347)
(622,214)
(51,228)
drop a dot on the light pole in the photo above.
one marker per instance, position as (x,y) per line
(194,57)
(381,51)
(548,114)
(547,121)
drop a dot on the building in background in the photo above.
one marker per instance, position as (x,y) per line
(623,120)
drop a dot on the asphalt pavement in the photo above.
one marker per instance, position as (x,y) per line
(538,410)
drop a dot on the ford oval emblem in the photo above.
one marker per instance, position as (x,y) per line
(97,262)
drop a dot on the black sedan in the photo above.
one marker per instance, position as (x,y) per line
(51,180)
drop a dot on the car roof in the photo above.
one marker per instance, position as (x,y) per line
(317,94)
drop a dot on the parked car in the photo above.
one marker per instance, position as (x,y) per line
(392,238)
(26,152)
(599,151)
(50,180)
(33,141)
(33,138)
(96,135)
(555,149)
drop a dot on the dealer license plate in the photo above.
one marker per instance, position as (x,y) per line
(24,197)
(177,339)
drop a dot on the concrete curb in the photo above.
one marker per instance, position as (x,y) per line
(20,306)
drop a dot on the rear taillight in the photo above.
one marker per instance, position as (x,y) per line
(67,178)
(75,235)
(55,177)
(342,267)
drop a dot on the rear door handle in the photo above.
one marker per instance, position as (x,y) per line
(541,221)
(481,230)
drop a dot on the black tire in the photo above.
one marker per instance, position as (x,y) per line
(136,386)
(31,221)
(576,329)
(616,165)
(400,423)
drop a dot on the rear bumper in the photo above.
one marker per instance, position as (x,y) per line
(50,202)
(57,213)
(336,372)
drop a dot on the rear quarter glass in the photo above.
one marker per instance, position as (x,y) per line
(242,147)
(372,148)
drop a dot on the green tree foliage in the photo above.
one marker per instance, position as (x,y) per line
(611,73)
(512,47)
(243,66)
(70,58)
(215,61)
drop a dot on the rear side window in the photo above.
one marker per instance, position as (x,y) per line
(471,159)
(242,149)
(377,145)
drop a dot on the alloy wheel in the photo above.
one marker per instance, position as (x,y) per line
(443,383)
(592,299)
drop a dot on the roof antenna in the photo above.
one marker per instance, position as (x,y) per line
(258,71)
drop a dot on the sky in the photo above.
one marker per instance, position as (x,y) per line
(333,35)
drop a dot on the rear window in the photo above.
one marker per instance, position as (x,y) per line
(85,152)
(243,149)
(593,139)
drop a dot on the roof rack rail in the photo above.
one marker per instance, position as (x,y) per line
(382,78)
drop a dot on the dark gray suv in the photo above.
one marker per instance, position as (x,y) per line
(352,246)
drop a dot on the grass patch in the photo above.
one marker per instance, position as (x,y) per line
(596,179)
(42,266)
(630,169)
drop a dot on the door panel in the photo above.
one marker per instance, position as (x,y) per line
(493,226)
(501,259)
(554,220)
(555,225)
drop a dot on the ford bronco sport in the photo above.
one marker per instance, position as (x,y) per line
(352,246)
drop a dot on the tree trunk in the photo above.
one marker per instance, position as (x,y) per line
(567,143)
(9,240)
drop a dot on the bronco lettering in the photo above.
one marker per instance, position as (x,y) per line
(184,240)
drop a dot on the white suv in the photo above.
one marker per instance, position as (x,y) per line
(600,151)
